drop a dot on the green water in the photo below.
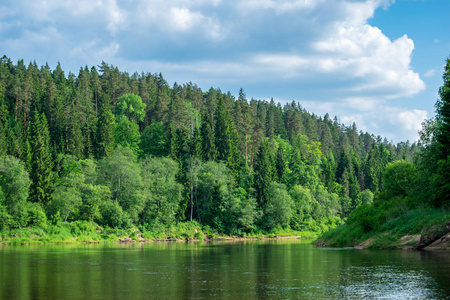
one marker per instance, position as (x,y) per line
(246,270)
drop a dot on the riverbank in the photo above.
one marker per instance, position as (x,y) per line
(86,232)
(427,229)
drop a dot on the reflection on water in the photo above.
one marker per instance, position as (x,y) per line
(251,269)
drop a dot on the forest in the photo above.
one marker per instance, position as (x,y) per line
(122,150)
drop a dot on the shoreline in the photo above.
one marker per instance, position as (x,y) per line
(407,242)
(140,239)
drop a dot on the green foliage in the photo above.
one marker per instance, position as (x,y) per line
(105,134)
(41,175)
(441,182)
(163,192)
(226,138)
(127,134)
(34,215)
(6,220)
(397,179)
(207,133)
(75,194)
(219,203)
(130,106)
(264,173)
(230,170)
(113,215)
(304,206)
(443,114)
(92,198)
(244,211)
(279,206)
(121,173)
(154,140)
(366,197)
(14,184)
(66,197)
(214,186)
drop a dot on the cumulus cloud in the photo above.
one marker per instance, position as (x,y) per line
(279,6)
(288,39)
(378,118)
(412,119)
(324,50)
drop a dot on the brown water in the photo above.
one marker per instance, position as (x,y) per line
(246,270)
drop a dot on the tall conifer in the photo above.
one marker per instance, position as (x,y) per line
(208,140)
(42,164)
(264,172)
(105,131)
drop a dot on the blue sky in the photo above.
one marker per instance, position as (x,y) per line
(374,62)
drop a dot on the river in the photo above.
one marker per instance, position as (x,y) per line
(275,269)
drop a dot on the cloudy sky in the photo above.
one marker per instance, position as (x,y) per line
(374,62)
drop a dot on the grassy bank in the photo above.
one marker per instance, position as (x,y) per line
(86,232)
(389,224)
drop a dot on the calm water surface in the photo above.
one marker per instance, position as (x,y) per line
(248,270)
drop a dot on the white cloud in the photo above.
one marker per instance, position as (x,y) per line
(430,73)
(365,52)
(183,19)
(278,6)
(379,118)
(412,119)
(115,16)
(324,50)
(362,104)
(94,50)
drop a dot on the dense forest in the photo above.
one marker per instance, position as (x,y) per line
(131,151)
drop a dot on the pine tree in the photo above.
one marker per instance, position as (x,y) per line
(162,100)
(178,114)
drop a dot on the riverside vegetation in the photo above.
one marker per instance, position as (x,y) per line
(107,156)
(412,209)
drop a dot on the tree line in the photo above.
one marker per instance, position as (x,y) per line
(127,150)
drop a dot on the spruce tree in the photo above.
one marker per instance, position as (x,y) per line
(3,123)
(208,139)
(162,100)
(221,131)
(442,180)
(105,132)
(42,164)
(226,138)
(264,173)
(196,144)
(443,114)
(281,165)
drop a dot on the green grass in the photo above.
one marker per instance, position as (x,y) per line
(386,222)
(86,232)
